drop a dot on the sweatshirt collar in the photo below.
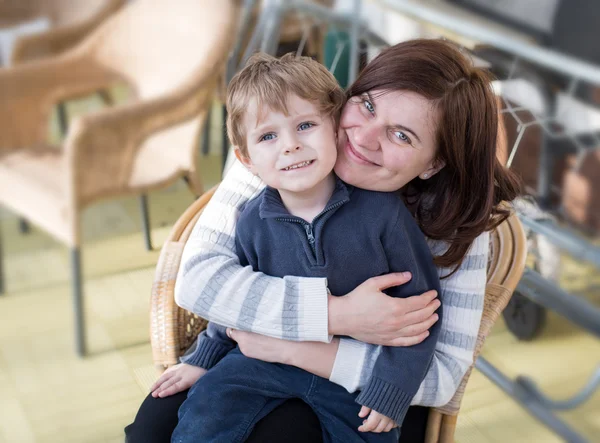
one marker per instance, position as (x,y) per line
(272,206)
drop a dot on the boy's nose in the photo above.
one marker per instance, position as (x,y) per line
(292,148)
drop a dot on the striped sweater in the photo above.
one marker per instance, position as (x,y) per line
(212,284)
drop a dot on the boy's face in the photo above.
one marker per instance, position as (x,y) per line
(291,153)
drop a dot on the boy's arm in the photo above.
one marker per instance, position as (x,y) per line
(212,283)
(399,371)
(211,346)
(463,294)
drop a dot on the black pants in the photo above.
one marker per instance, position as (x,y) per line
(292,422)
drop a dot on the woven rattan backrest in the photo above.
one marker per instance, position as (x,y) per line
(173,329)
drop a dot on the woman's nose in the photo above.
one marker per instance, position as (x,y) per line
(365,136)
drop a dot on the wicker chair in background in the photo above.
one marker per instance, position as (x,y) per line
(172,54)
(173,329)
(71,20)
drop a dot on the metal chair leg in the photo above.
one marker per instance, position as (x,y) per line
(77,288)
(145,221)
(2,289)
(63,119)
(106,98)
(206,134)
(24,227)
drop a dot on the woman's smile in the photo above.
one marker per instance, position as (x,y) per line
(357,156)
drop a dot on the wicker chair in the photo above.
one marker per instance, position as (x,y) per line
(173,329)
(72,21)
(172,54)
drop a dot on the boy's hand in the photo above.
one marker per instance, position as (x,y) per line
(376,422)
(176,379)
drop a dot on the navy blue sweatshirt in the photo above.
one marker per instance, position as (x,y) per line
(360,234)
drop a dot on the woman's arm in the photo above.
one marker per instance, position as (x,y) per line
(463,295)
(212,283)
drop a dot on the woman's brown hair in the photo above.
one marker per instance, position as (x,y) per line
(464,198)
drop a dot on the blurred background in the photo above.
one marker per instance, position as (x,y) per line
(112,124)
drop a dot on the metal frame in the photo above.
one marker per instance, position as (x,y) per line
(530,402)
(78,302)
(145,221)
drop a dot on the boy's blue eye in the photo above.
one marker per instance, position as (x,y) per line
(304,126)
(266,137)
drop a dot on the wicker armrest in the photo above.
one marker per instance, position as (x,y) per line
(173,329)
(51,42)
(110,139)
(30,91)
(57,40)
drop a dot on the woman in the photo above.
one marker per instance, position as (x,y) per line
(419,120)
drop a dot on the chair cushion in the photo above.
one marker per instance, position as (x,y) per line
(33,183)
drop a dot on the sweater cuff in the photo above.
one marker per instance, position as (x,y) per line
(346,372)
(207,354)
(385,398)
(315,316)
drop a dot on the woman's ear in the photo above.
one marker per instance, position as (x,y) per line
(435,167)
(244,160)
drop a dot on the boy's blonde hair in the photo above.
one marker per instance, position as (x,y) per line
(269,81)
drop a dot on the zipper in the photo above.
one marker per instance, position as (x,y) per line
(309,233)
(308,227)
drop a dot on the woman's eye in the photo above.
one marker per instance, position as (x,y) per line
(266,137)
(369,106)
(304,126)
(401,136)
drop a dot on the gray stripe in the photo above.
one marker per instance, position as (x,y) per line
(215,237)
(474,262)
(431,384)
(212,288)
(464,300)
(457,339)
(289,317)
(368,364)
(231,198)
(249,307)
(221,239)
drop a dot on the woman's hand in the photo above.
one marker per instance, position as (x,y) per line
(371,316)
(176,379)
(314,357)
(261,347)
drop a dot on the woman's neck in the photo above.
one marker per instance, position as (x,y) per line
(311,202)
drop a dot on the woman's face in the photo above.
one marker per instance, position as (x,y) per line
(386,139)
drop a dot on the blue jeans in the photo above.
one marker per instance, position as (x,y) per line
(225,404)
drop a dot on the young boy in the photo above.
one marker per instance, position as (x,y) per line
(282,121)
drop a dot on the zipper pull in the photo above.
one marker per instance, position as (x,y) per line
(309,234)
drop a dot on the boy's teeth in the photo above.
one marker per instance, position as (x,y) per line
(299,165)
